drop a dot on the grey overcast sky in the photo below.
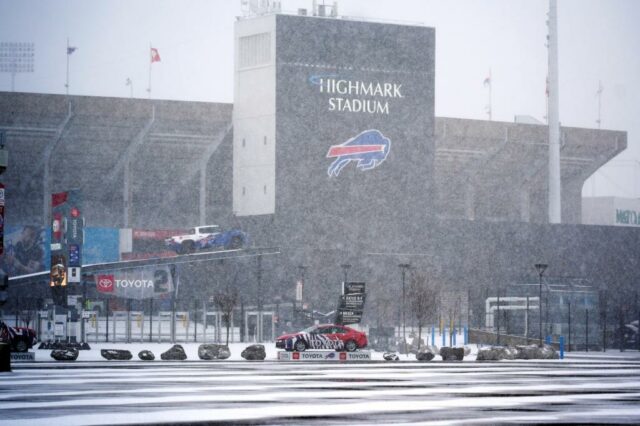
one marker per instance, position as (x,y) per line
(599,40)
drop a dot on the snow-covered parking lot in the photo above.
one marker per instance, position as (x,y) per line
(583,388)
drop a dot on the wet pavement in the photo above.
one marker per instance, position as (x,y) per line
(581,389)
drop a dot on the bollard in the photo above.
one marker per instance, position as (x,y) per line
(5,357)
(433,336)
(444,334)
(455,332)
(561,347)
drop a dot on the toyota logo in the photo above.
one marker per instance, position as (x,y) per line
(105,283)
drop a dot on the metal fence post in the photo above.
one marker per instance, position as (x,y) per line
(586,329)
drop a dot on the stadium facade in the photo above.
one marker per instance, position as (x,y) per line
(332,153)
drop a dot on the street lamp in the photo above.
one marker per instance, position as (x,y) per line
(302,269)
(403,267)
(540,267)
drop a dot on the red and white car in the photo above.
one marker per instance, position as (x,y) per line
(325,336)
(21,339)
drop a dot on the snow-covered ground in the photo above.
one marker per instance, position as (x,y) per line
(584,388)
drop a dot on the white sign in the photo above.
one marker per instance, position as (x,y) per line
(320,356)
(87,314)
(74,275)
(59,329)
(299,287)
(23,357)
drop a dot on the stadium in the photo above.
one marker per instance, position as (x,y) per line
(461,202)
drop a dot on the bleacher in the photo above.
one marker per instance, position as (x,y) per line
(91,140)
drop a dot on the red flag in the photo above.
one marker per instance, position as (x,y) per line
(155,56)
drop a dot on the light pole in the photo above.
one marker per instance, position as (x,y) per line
(569,312)
(403,267)
(345,269)
(259,326)
(302,269)
(540,267)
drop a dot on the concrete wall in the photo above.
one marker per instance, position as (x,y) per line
(321,65)
(254,119)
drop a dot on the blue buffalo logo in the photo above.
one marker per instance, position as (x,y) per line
(330,355)
(369,149)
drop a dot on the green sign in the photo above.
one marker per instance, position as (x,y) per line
(628,217)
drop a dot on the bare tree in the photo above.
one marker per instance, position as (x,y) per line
(423,296)
(454,311)
(26,309)
(226,301)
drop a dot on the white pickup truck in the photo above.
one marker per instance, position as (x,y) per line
(205,237)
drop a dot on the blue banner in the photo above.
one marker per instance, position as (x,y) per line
(101,245)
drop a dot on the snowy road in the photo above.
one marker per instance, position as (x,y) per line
(585,389)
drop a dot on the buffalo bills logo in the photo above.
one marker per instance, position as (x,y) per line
(369,149)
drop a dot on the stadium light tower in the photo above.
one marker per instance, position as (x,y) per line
(16,58)
(554,119)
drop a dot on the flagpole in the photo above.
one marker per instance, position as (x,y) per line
(67,82)
(599,93)
(490,88)
(149,88)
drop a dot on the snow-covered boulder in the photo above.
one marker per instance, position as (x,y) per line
(146,355)
(452,354)
(209,351)
(490,354)
(254,353)
(390,356)
(509,352)
(426,354)
(176,353)
(70,354)
(119,354)
(548,352)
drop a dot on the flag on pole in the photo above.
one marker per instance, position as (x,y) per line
(155,56)
(71,49)
(600,88)
(487,81)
